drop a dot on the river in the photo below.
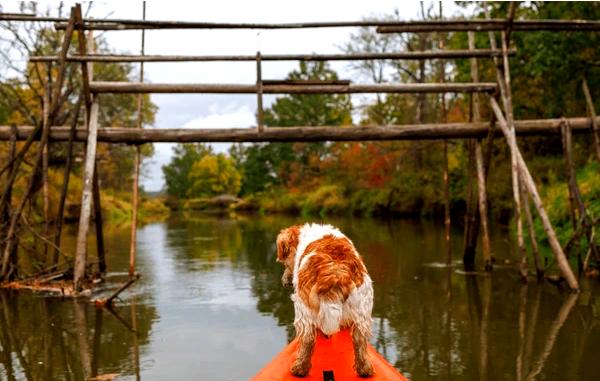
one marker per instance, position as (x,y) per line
(210,306)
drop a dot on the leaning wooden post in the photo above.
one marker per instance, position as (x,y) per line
(86,198)
(136,166)
(481,183)
(539,266)
(527,179)
(66,178)
(259,94)
(592,114)
(46,202)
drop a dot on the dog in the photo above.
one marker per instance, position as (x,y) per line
(332,290)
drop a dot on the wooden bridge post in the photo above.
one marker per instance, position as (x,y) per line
(90,181)
(527,179)
(592,114)
(481,173)
(136,165)
(86,198)
(259,93)
(503,80)
(446,173)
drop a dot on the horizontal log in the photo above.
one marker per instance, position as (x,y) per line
(137,87)
(400,26)
(308,82)
(417,55)
(490,25)
(306,134)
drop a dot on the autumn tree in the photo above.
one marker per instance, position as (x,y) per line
(177,172)
(213,175)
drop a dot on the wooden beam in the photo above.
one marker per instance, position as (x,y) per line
(383,26)
(409,55)
(136,87)
(434,131)
(592,114)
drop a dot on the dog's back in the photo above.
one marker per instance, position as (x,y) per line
(329,271)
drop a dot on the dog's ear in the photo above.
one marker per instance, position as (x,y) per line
(287,242)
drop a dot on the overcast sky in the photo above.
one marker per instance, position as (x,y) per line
(223,111)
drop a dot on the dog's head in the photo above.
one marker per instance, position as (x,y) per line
(287,243)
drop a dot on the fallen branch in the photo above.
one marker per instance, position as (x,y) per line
(109,301)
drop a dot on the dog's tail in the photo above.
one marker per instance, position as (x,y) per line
(333,288)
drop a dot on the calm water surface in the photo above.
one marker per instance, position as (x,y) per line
(210,306)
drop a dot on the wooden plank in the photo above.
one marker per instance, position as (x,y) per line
(259,93)
(433,131)
(527,179)
(86,198)
(408,55)
(383,26)
(136,87)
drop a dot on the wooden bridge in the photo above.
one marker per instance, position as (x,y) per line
(497,94)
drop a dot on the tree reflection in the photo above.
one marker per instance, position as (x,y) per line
(44,338)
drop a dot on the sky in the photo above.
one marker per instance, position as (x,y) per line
(227,110)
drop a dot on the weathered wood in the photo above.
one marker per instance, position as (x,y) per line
(506,94)
(383,26)
(259,93)
(580,218)
(86,198)
(408,55)
(60,76)
(527,179)
(592,114)
(433,131)
(5,207)
(490,25)
(445,171)
(308,82)
(539,266)
(98,222)
(136,165)
(45,196)
(133,87)
(85,66)
(66,178)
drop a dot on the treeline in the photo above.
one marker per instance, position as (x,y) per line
(405,178)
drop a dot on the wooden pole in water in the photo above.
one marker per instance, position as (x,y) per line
(527,179)
(539,266)
(136,165)
(481,175)
(46,202)
(592,114)
(66,178)
(87,76)
(86,198)
(446,175)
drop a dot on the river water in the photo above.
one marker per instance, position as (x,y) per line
(210,306)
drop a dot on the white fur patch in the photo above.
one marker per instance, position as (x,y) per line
(308,234)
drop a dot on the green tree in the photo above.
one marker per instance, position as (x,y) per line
(269,164)
(213,175)
(177,171)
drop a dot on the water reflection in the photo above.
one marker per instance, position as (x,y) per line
(210,305)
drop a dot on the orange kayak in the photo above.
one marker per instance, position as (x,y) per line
(330,354)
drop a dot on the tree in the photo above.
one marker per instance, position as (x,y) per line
(213,175)
(269,164)
(177,171)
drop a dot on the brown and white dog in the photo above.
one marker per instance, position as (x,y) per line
(332,290)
